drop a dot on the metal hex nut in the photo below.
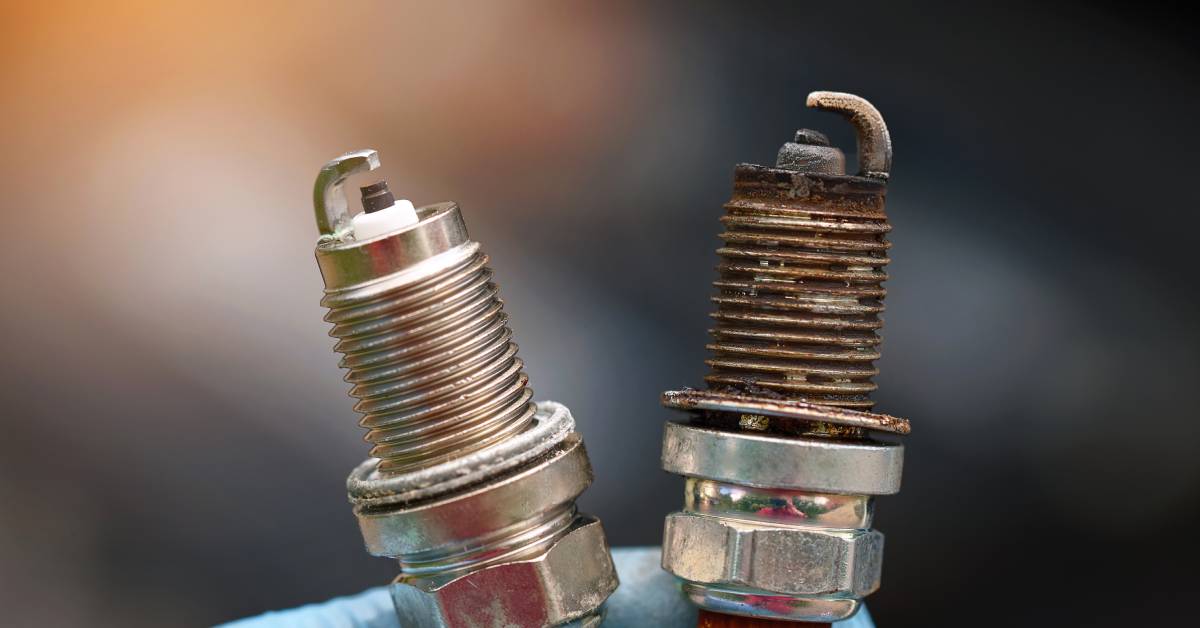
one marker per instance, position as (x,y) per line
(570,580)
(789,560)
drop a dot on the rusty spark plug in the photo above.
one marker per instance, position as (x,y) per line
(780,470)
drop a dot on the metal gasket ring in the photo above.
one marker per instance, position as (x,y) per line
(551,424)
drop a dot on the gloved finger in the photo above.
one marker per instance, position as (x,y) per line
(370,609)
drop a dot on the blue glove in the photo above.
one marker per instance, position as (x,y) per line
(647,596)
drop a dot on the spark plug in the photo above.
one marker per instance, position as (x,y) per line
(471,486)
(780,469)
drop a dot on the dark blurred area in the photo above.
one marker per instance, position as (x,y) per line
(176,432)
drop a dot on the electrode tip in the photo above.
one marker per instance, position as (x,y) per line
(811,152)
(811,137)
(377,196)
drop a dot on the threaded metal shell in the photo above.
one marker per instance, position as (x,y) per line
(799,287)
(433,365)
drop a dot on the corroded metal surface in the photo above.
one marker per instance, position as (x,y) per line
(800,287)
(874,141)
(750,409)
(778,447)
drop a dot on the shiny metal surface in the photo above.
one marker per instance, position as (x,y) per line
(354,270)
(471,486)
(567,581)
(517,542)
(763,604)
(823,465)
(426,342)
(773,505)
(329,200)
(502,507)
(552,425)
(781,559)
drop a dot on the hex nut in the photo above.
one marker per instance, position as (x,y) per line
(789,560)
(570,580)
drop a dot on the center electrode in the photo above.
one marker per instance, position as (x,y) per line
(382,213)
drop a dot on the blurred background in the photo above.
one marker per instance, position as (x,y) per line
(175,432)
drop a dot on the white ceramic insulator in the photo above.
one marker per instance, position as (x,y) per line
(400,215)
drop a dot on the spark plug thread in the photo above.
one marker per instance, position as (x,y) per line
(799,293)
(432,363)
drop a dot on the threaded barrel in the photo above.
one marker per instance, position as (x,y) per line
(799,287)
(426,343)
